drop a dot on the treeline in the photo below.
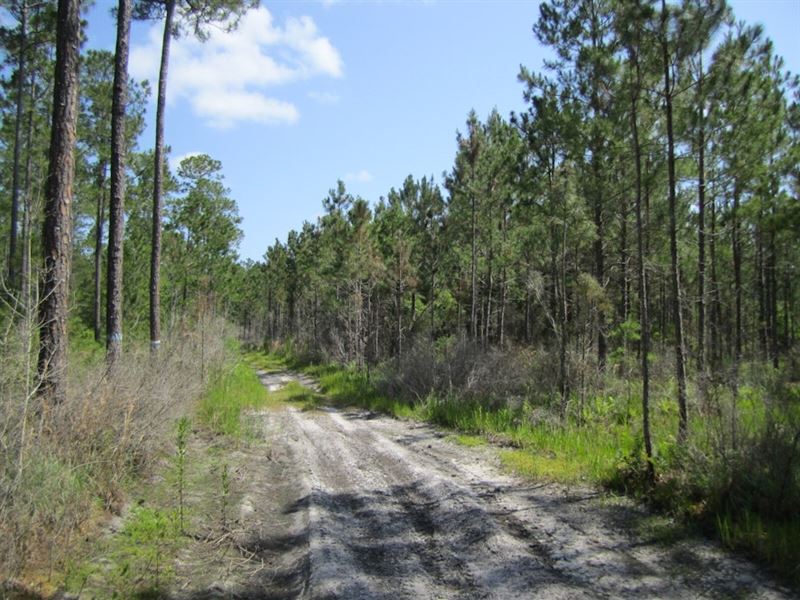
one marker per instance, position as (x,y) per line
(646,201)
(78,191)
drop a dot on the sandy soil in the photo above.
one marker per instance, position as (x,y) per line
(352,505)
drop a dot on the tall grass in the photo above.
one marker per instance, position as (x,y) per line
(232,391)
(64,467)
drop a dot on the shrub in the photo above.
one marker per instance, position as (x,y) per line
(459,368)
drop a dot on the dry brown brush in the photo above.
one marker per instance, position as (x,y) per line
(63,469)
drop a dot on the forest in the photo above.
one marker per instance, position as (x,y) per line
(605,281)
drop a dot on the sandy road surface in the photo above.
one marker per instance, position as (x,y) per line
(347,504)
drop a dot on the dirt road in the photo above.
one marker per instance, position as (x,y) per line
(347,504)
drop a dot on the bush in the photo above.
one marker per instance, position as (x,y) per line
(459,368)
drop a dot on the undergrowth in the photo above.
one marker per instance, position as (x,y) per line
(66,469)
(169,508)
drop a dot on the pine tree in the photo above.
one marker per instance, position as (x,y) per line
(57,234)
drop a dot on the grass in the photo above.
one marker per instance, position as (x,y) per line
(296,393)
(541,465)
(563,452)
(344,387)
(144,550)
(232,392)
(65,471)
(137,561)
(470,441)
(269,363)
(661,529)
(189,491)
(776,543)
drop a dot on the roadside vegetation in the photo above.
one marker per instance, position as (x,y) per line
(231,393)
(133,451)
(185,496)
(87,410)
(67,469)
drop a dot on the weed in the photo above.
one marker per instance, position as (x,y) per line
(180,464)
(63,470)
(225,481)
(143,556)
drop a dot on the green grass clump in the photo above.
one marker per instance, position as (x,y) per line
(346,387)
(233,391)
(777,543)
(296,393)
(149,541)
(269,363)
(470,441)
(558,451)
(541,465)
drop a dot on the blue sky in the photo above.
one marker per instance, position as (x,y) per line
(365,91)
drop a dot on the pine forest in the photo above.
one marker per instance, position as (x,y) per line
(602,289)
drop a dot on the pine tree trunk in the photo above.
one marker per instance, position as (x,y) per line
(640,268)
(596,144)
(528,335)
(737,277)
(15,178)
(563,316)
(788,305)
(761,285)
(474,273)
(158,184)
(680,362)
(487,324)
(116,210)
(432,303)
(98,251)
(599,260)
(398,308)
(773,295)
(316,315)
(701,232)
(624,284)
(27,217)
(57,234)
(502,319)
(715,351)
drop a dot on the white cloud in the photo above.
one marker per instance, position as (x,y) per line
(324,97)
(224,108)
(225,79)
(362,176)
